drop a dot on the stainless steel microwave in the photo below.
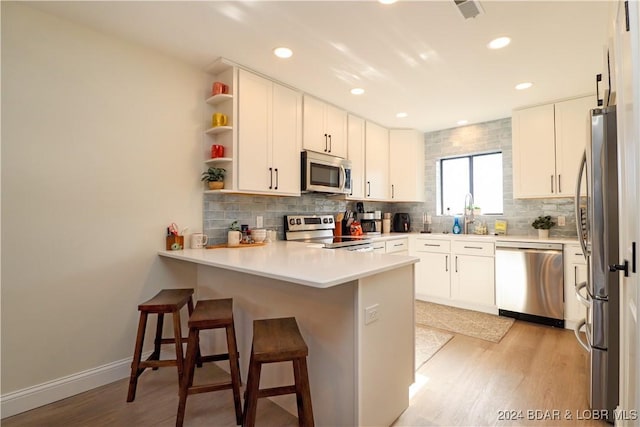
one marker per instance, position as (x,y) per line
(324,173)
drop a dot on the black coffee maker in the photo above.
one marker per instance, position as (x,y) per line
(401,223)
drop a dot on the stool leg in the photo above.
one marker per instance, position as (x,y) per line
(303,393)
(158,340)
(234,363)
(251,399)
(187,377)
(190,310)
(137,355)
(177,333)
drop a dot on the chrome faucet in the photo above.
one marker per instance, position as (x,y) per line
(468,213)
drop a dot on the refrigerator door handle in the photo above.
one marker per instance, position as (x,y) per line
(580,297)
(583,243)
(577,330)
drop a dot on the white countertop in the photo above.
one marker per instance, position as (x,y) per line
(295,262)
(488,237)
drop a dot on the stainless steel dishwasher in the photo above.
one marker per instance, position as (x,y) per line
(530,281)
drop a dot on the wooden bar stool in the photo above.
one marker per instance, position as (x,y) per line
(211,314)
(167,301)
(278,340)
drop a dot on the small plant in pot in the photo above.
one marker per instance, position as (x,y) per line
(543,224)
(215,178)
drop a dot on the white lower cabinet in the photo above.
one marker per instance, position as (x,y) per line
(473,276)
(433,272)
(459,273)
(575,272)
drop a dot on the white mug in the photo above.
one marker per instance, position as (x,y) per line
(199,240)
(233,238)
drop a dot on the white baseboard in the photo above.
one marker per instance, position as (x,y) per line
(42,394)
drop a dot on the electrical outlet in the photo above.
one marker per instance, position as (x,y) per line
(562,221)
(259,222)
(371,314)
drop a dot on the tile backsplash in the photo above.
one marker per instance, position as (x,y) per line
(220,210)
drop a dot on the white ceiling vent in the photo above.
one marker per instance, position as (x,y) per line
(469,8)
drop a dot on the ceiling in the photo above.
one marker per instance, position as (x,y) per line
(419,57)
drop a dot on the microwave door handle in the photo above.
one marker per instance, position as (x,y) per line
(343,178)
(583,243)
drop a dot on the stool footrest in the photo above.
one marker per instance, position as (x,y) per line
(195,389)
(276,391)
(172,340)
(214,357)
(156,364)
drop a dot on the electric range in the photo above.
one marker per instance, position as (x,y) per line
(320,229)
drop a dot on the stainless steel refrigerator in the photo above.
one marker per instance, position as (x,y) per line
(597,223)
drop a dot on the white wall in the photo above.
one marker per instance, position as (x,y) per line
(101,150)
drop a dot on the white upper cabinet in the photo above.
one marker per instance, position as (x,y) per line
(406,165)
(573,131)
(376,162)
(548,142)
(269,136)
(355,153)
(325,128)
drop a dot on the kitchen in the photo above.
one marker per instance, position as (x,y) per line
(122,163)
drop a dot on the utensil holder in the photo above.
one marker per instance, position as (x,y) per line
(171,240)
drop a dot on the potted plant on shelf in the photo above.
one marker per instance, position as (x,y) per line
(543,224)
(215,178)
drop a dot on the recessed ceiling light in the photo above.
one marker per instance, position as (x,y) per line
(357,91)
(402,115)
(282,52)
(499,43)
(523,86)
(462,122)
(387,1)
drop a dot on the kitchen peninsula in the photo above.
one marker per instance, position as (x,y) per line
(355,312)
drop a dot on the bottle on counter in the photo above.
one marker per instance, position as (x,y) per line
(456,226)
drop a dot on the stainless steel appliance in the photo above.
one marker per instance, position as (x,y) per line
(324,173)
(319,229)
(401,222)
(530,281)
(370,223)
(597,222)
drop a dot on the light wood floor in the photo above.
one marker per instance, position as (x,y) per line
(467,383)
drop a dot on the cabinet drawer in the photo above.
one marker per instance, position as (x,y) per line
(433,245)
(473,247)
(573,255)
(397,245)
(379,247)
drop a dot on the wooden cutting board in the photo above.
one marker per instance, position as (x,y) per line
(243,245)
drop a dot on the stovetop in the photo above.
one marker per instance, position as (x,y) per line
(318,229)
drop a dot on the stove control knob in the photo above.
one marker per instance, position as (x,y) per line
(292,221)
(298,222)
(331,220)
(325,220)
